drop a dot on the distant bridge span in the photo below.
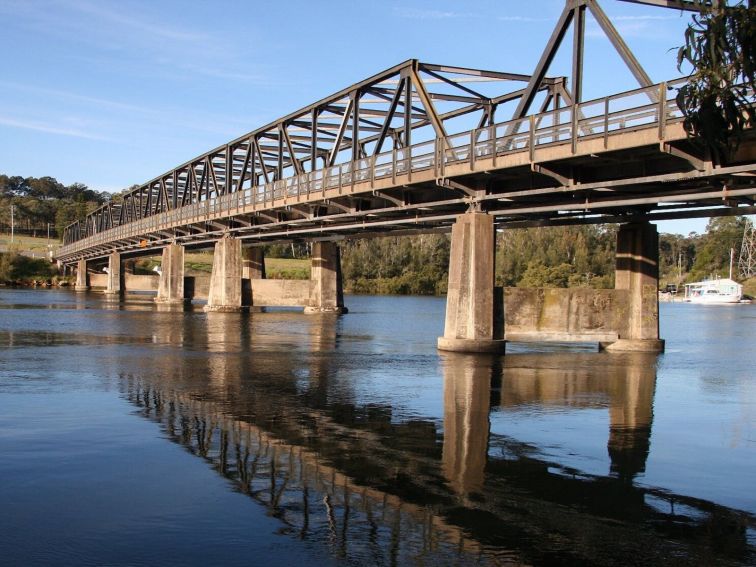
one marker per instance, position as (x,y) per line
(423,147)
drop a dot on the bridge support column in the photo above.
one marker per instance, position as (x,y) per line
(253,264)
(253,268)
(171,283)
(327,295)
(225,292)
(82,278)
(471,321)
(115,276)
(638,272)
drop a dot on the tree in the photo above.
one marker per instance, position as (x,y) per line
(713,256)
(717,101)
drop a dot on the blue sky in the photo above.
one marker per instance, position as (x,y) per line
(114,93)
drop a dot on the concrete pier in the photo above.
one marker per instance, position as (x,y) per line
(471,322)
(326,292)
(82,279)
(171,284)
(638,272)
(115,275)
(225,292)
(253,264)
(253,268)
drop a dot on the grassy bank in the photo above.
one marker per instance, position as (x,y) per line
(26,245)
(201,263)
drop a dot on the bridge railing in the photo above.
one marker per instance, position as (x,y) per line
(639,108)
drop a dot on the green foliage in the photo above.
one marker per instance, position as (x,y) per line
(749,287)
(552,257)
(416,265)
(538,274)
(713,251)
(717,101)
(575,256)
(676,256)
(15,267)
(38,202)
(291,250)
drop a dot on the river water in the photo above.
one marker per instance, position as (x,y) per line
(133,436)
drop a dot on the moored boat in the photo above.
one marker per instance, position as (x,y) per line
(720,290)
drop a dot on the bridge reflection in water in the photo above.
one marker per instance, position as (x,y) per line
(290,433)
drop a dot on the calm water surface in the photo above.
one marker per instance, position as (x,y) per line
(132,436)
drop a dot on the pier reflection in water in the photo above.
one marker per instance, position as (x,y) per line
(271,406)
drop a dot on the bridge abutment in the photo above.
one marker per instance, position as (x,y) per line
(171,283)
(115,275)
(82,278)
(637,272)
(225,293)
(326,292)
(471,321)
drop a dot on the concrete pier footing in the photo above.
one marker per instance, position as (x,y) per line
(115,285)
(225,294)
(471,321)
(327,294)
(637,272)
(171,284)
(82,279)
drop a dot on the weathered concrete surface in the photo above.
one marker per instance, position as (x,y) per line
(281,293)
(226,280)
(82,278)
(327,294)
(171,283)
(115,276)
(144,282)
(98,281)
(470,311)
(638,272)
(578,315)
(196,287)
(129,282)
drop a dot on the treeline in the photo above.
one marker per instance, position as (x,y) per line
(576,256)
(419,265)
(38,202)
(699,256)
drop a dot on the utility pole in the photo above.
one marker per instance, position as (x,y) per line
(12,228)
(732,260)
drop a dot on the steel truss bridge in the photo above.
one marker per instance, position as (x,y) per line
(411,148)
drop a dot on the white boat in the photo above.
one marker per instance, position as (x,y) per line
(720,290)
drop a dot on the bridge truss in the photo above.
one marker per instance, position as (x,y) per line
(380,156)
